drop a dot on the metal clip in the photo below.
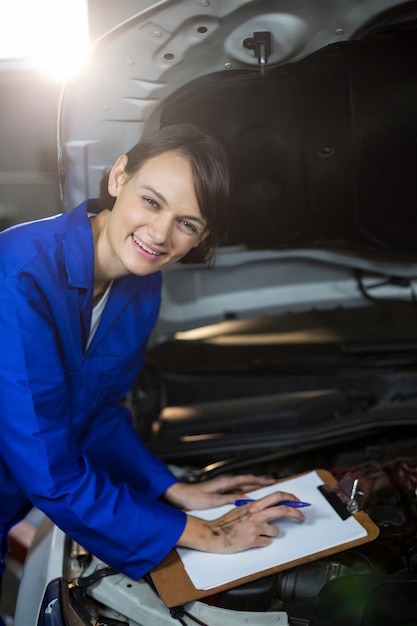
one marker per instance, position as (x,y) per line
(345,497)
(347,490)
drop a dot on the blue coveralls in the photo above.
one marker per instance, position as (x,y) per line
(67,445)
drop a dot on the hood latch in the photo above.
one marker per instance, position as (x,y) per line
(261,44)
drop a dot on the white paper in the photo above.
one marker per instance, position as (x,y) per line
(322,529)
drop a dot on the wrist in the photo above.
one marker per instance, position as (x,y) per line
(201,535)
(176,495)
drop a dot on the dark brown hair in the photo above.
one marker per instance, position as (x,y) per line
(210,168)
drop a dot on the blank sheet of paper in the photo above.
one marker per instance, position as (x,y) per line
(322,530)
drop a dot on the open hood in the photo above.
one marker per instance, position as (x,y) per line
(316,103)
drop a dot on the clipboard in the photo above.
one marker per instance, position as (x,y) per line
(174,584)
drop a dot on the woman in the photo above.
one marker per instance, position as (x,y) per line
(80,296)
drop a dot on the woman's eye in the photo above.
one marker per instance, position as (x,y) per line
(151,202)
(189,226)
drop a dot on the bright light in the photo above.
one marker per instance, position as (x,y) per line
(51,35)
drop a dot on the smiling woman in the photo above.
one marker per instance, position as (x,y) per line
(80,296)
(41,35)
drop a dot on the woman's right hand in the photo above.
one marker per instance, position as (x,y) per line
(243,527)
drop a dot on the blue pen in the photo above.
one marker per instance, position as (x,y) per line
(294,504)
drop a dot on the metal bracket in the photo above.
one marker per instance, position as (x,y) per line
(261,44)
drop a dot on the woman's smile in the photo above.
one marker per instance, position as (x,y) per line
(145,248)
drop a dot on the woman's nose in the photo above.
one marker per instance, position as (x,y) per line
(160,227)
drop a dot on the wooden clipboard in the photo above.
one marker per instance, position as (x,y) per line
(175,587)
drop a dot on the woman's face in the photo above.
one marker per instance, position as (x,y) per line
(156,219)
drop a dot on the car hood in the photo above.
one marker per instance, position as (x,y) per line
(316,104)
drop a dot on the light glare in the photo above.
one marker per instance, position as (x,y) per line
(51,35)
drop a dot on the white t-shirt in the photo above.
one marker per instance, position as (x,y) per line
(97,314)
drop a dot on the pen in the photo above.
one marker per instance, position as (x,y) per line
(294,504)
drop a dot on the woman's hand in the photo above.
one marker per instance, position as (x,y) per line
(244,527)
(211,493)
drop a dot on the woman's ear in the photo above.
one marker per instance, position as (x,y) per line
(117,175)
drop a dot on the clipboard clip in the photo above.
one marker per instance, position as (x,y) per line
(345,498)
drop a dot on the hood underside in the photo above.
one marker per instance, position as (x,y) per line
(323,150)
(320,126)
(322,143)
